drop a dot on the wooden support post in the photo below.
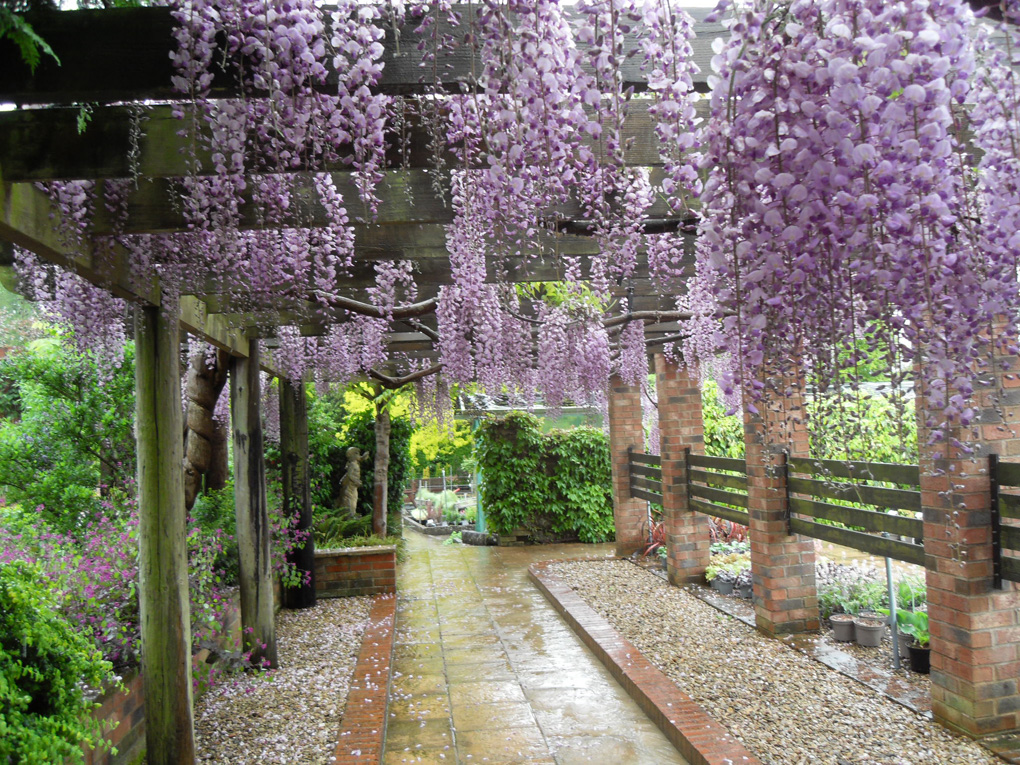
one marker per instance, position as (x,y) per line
(297,500)
(162,546)
(258,628)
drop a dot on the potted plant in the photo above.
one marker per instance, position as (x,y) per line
(869,630)
(842,627)
(744,584)
(723,571)
(915,625)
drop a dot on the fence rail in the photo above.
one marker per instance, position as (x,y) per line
(877,519)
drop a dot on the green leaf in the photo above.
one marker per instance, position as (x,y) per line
(14,27)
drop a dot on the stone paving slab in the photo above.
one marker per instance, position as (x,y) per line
(486,671)
(701,739)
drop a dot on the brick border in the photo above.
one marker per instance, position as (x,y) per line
(363,727)
(697,736)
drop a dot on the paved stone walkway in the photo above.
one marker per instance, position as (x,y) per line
(485,671)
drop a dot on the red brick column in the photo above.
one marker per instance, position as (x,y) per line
(783,565)
(680,427)
(626,431)
(975,629)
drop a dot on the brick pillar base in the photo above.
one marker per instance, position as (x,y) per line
(680,427)
(975,629)
(782,565)
(626,430)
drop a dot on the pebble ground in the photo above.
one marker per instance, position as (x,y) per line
(293,714)
(785,707)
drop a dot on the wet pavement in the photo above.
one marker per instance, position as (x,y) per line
(486,671)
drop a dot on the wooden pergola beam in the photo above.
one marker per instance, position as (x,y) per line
(126,59)
(46,144)
(406,197)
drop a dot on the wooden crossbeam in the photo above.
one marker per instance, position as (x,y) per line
(46,144)
(26,219)
(407,196)
(122,55)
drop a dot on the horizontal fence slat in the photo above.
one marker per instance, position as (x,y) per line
(1010,536)
(648,496)
(900,499)
(1009,505)
(866,471)
(717,463)
(852,516)
(645,483)
(645,459)
(719,511)
(869,543)
(1011,568)
(646,470)
(738,482)
(718,496)
(1008,473)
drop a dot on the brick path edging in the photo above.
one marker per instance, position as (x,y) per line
(697,736)
(363,728)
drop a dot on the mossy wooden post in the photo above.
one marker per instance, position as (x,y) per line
(256,580)
(162,546)
(297,500)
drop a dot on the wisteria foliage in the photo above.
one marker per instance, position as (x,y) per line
(843,216)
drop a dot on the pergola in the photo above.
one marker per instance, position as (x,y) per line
(118,61)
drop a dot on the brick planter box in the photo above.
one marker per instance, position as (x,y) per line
(341,573)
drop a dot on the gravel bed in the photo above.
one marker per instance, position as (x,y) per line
(784,706)
(292,714)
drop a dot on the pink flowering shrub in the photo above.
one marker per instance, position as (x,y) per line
(95,577)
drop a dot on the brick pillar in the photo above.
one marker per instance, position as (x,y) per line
(783,565)
(975,629)
(680,427)
(626,431)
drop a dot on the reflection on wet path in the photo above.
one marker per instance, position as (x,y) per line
(486,671)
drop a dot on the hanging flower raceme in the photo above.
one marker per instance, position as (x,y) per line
(833,208)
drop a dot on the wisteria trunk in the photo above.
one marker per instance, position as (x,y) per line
(382,469)
(297,500)
(256,580)
(205,384)
(162,546)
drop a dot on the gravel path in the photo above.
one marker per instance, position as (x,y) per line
(785,707)
(293,716)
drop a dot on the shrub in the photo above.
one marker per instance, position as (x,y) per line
(68,440)
(214,513)
(558,482)
(45,666)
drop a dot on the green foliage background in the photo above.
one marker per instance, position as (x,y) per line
(558,482)
(62,434)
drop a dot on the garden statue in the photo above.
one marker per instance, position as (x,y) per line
(351,481)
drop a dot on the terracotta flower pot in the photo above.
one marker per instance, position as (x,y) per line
(842,627)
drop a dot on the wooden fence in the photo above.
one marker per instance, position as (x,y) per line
(874,507)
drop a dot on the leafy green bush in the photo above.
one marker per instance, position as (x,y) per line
(67,444)
(436,447)
(724,433)
(559,482)
(44,667)
(214,510)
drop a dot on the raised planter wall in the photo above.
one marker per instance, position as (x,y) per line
(341,573)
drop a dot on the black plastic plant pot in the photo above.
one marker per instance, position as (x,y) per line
(920,659)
